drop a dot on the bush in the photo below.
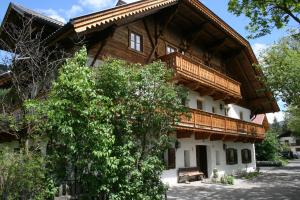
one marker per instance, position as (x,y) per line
(23,176)
(227,180)
(269,149)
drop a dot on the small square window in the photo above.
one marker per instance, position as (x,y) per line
(246,156)
(213,109)
(170,49)
(241,116)
(199,105)
(217,158)
(226,111)
(231,156)
(187,158)
(136,41)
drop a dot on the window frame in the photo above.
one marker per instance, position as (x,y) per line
(249,156)
(228,156)
(241,115)
(171,47)
(135,41)
(198,101)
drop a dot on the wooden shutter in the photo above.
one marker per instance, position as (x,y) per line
(171,158)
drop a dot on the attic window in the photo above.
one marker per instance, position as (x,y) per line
(170,49)
(136,42)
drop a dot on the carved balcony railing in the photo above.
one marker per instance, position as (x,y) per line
(205,76)
(201,121)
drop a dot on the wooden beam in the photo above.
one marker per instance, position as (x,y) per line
(216,44)
(162,29)
(148,32)
(194,34)
(103,43)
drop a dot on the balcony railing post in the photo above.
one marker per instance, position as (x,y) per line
(211,122)
(225,125)
(194,113)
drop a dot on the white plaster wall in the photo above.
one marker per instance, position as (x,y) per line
(290,139)
(234,112)
(170,176)
(207,102)
(10,146)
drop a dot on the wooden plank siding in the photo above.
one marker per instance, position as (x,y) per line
(117,46)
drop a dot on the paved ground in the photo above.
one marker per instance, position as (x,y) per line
(274,183)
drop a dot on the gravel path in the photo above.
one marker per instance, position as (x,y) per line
(274,183)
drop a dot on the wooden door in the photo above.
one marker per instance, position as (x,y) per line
(201,156)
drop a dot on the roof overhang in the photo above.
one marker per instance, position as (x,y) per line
(16,13)
(126,13)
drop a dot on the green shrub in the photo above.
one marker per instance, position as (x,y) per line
(23,176)
(227,180)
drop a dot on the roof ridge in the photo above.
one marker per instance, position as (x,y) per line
(37,14)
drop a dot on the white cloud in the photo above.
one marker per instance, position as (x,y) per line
(73,11)
(81,7)
(258,48)
(96,4)
(53,14)
(279,116)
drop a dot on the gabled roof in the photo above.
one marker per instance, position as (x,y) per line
(259,119)
(125,13)
(86,22)
(25,11)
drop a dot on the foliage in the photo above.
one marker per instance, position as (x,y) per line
(108,126)
(266,15)
(269,149)
(249,175)
(227,180)
(293,116)
(24,176)
(281,65)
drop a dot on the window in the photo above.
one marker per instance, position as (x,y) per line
(170,49)
(199,105)
(297,149)
(171,159)
(187,158)
(297,141)
(286,142)
(241,116)
(136,42)
(213,109)
(246,156)
(226,111)
(231,156)
(217,157)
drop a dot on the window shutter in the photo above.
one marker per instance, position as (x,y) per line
(171,158)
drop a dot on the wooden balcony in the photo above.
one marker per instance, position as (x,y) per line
(217,127)
(202,78)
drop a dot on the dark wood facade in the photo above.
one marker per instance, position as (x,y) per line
(215,60)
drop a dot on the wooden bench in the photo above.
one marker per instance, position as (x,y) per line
(189,174)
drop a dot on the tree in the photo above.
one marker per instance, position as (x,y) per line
(108,127)
(269,149)
(281,65)
(266,15)
(33,66)
(293,115)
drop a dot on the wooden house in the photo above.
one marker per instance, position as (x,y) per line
(209,57)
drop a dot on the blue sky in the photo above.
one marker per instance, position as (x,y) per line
(63,10)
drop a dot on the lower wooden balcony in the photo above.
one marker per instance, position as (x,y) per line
(206,80)
(217,127)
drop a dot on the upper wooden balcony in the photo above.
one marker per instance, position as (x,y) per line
(217,127)
(203,79)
